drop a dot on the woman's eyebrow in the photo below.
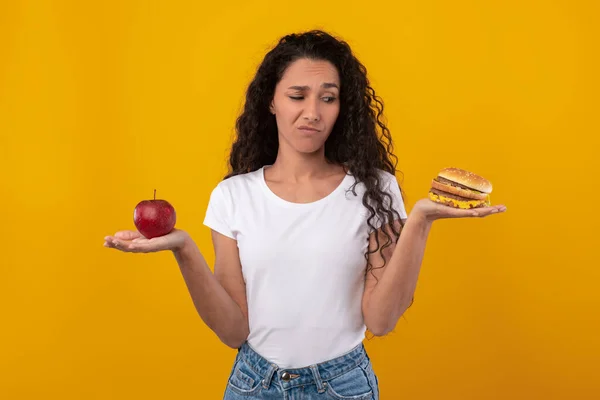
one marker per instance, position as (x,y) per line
(325,86)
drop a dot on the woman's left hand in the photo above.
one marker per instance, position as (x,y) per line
(432,210)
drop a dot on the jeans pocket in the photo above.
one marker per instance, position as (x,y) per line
(352,385)
(367,367)
(244,380)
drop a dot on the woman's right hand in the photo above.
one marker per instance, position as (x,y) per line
(135,242)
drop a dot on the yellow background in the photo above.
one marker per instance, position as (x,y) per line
(102,102)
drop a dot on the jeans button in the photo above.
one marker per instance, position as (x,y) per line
(285,376)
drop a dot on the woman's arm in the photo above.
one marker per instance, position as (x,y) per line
(220,299)
(389,290)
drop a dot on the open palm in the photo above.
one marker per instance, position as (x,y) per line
(135,242)
(435,210)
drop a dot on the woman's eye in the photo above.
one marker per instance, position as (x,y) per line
(327,99)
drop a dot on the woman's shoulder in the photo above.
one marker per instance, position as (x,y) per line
(243,181)
(385,177)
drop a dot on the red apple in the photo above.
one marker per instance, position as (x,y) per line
(154,218)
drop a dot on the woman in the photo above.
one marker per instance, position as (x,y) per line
(306,230)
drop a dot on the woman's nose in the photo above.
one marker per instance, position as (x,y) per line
(312,112)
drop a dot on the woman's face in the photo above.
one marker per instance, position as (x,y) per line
(306,104)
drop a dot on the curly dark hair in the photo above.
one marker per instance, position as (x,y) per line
(359,141)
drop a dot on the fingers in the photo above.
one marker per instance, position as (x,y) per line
(119,244)
(128,235)
(483,212)
(124,241)
(137,245)
(125,246)
(113,243)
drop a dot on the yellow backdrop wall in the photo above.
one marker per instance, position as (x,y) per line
(103,102)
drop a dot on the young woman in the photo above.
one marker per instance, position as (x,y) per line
(306,230)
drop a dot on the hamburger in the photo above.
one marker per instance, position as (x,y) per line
(459,188)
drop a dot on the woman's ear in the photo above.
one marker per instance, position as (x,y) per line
(272,108)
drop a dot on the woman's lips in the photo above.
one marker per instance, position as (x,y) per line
(308,129)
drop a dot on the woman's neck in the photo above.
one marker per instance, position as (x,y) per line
(300,168)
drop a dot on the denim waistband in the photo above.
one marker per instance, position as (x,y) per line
(313,374)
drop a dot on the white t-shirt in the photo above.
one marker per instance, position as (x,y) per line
(303,265)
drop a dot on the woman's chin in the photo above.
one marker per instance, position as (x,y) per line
(309,150)
(309,146)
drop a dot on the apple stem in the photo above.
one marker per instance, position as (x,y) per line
(154,194)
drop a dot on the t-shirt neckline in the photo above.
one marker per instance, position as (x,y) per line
(277,199)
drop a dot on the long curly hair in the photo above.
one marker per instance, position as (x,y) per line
(359,140)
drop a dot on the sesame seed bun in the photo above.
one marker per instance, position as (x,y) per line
(467,179)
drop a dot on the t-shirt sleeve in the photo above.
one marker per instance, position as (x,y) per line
(390,186)
(398,200)
(218,213)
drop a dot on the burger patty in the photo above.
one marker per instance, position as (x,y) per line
(451,196)
(452,183)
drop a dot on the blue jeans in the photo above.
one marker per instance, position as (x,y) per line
(349,376)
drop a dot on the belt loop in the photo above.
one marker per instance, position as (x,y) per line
(318,380)
(269,375)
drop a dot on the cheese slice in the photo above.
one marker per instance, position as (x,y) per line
(464,204)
